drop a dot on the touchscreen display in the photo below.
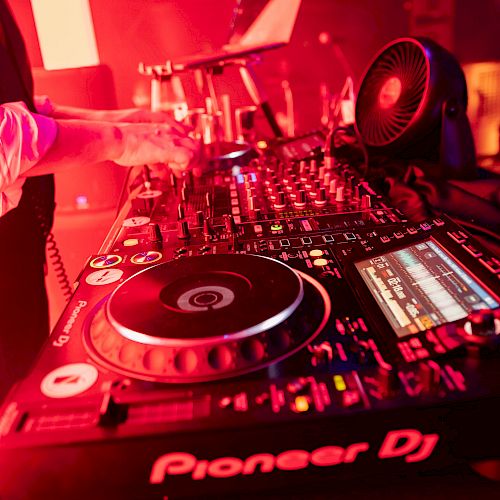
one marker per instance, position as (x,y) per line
(422,286)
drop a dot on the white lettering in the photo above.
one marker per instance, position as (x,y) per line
(410,443)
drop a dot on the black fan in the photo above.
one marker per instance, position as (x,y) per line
(411,104)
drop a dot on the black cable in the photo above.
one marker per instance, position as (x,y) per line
(58,265)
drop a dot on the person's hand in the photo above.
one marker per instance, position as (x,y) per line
(139,115)
(150,144)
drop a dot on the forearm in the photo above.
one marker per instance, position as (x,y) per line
(62,112)
(78,143)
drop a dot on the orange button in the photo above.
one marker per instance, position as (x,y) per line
(316,252)
(320,262)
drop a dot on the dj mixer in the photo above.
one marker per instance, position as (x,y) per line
(266,325)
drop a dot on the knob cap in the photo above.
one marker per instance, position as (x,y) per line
(320,197)
(183,230)
(154,233)
(200,218)
(230,225)
(208,230)
(300,201)
(280,200)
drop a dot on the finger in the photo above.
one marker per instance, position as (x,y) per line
(186,142)
(166,119)
(181,156)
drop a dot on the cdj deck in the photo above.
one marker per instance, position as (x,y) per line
(274,324)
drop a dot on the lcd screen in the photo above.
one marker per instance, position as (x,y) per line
(422,286)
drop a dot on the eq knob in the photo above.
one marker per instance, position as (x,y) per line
(280,201)
(208,230)
(300,200)
(366,201)
(154,233)
(183,230)
(320,197)
(483,327)
(339,195)
(230,225)
(199,218)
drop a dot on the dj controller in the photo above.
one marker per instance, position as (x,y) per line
(268,324)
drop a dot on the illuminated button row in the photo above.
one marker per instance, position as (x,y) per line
(105,261)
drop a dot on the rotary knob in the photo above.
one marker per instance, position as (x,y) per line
(483,327)
(280,202)
(183,230)
(231,227)
(300,201)
(154,233)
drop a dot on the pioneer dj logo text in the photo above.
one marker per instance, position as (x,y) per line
(408,443)
(64,337)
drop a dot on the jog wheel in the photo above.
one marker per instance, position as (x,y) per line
(206,318)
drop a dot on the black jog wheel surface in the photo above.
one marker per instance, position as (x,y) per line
(205,318)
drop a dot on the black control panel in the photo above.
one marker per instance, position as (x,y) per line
(256,328)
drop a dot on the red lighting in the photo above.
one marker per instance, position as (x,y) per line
(389,93)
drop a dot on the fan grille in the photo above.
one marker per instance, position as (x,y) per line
(391,93)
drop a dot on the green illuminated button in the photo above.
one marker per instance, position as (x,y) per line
(276,227)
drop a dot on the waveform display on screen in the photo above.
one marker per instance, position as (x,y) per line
(422,286)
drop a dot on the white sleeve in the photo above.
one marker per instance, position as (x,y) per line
(25,137)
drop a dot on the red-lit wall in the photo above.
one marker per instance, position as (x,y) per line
(130,31)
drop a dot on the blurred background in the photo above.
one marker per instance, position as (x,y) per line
(86,53)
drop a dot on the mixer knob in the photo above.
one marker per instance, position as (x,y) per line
(302,166)
(320,197)
(180,211)
(314,167)
(321,173)
(154,233)
(366,201)
(199,218)
(333,186)
(339,195)
(231,227)
(208,230)
(309,183)
(483,327)
(482,322)
(184,194)
(326,179)
(300,200)
(183,230)
(280,200)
